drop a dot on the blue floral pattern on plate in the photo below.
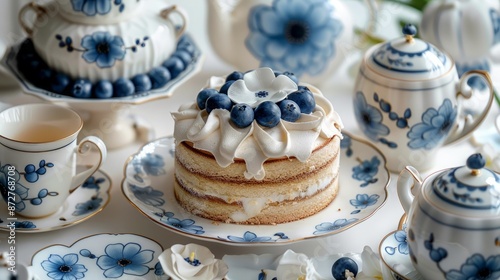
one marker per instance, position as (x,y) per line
(100,256)
(294,35)
(153,196)
(83,203)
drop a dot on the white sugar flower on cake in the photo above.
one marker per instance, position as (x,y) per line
(192,262)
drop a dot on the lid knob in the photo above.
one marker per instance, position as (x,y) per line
(409,30)
(476,162)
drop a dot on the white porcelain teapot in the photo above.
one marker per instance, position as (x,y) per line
(453,226)
(466,29)
(310,38)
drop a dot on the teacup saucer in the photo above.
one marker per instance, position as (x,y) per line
(394,252)
(83,203)
(101,256)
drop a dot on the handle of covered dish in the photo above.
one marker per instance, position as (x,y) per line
(33,7)
(166,13)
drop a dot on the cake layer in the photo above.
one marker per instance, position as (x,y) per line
(224,194)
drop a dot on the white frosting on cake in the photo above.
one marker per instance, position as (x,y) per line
(216,134)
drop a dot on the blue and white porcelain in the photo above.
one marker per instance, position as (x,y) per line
(453,227)
(82,204)
(467,30)
(99,11)
(310,38)
(148,185)
(394,253)
(408,100)
(105,52)
(101,256)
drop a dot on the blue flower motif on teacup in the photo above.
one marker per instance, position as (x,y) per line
(148,195)
(101,47)
(95,7)
(366,171)
(64,267)
(475,267)
(127,259)
(87,207)
(402,247)
(10,187)
(294,35)
(327,227)
(259,86)
(32,174)
(434,128)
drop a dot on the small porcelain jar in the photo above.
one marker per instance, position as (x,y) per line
(453,226)
(408,100)
(98,11)
(105,52)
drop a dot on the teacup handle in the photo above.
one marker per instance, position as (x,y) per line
(407,194)
(37,9)
(466,92)
(83,147)
(174,9)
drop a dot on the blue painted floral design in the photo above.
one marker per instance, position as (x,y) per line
(125,259)
(152,164)
(21,192)
(32,174)
(366,171)
(363,200)
(294,35)
(250,237)
(93,183)
(327,227)
(92,7)
(87,207)
(402,247)
(63,268)
(474,82)
(186,225)
(25,224)
(346,144)
(369,118)
(148,195)
(159,269)
(477,267)
(435,126)
(103,49)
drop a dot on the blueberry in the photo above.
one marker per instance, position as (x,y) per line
(123,87)
(341,265)
(103,89)
(236,75)
(141,82)
(242,115)
(268,114)
(42,77)
(175,65)
(59,83)
(81,88)
(203,95)
(290,111)
(305,99)
(159,76)
(225,87)
(218,101)
(186,46)
(288,74)
(184,56)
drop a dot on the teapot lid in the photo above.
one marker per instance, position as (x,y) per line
(470,190)
(409,58)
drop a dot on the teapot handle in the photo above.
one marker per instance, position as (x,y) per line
(37,9)
(407,194)
(468,123)
(174,9)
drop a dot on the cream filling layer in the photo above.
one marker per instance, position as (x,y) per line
(216,134)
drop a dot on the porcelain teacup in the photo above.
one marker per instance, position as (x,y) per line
(38,157)
(408,100)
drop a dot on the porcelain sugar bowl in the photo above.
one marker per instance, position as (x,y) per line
(408,100)
(453,226)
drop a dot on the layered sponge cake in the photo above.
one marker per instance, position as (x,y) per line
(257,148)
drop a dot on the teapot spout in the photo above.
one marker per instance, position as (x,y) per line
(407,191)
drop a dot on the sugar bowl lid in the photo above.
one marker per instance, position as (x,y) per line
(408,58)
(471,190)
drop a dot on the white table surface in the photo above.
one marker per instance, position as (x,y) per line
(121,217)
